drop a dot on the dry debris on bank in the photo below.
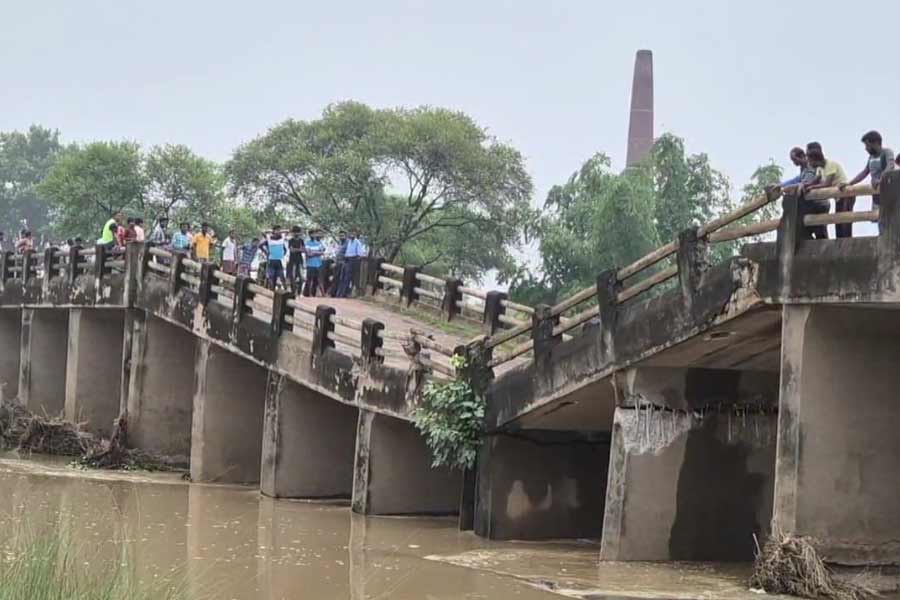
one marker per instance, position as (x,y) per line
(23,431)
(790,565)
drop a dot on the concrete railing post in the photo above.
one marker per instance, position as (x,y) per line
(99,263)
(146,258)
(693,262)
(370,342)
(49,267)
(452,296)
(7,261)
(889,230)
(323,326)
(280,310)
(74,263)
(204,290)
(493,308)
(327,275)
(608,288)
(410,283)
(241,295)
(374,271)
(543,323)
(176,269)
(26,266)
(790,234)
(134,270)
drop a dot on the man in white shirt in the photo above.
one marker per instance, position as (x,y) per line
(229,254)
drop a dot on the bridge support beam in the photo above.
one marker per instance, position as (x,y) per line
(94,367)
(393,473)
(10,341)
(691,465)
(42,362)
(227,431)
(836,475)
(539,484)
(161,390)
(309,443)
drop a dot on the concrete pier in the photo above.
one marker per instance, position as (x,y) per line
(393,473)
(42,362)
(309,443)
(161,390)
(837,479)
(690,478)
(94,368)
(10,341)
(227,432)
(538,484)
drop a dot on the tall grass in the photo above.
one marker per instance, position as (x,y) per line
(53,568)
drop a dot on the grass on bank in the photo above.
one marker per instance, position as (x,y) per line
(54,568)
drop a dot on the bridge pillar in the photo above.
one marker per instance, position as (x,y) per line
(227,430)
(393,473)
(836,473)
(691,464)
(10,341)
(42,362)
(94,367)
(161,389)
(538,484)
(309,443)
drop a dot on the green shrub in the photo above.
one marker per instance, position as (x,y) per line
(451,418)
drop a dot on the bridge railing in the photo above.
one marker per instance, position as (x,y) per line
(632,282)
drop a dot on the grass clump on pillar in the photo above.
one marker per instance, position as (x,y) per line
(451,414)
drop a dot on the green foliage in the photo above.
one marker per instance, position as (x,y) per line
(451,418)
(89,183)
(425,183)
(25,159)
(600,219)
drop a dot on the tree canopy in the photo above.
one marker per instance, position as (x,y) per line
(417,181)
(600,219)
(25,159)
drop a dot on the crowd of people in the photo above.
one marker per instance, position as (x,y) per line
(817,171)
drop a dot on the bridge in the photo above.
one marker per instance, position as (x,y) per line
(683,404)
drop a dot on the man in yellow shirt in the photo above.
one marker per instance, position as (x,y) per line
(829,174)
(203,242)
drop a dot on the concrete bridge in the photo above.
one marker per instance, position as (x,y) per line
(682,405)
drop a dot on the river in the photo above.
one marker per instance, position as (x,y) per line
(233,543)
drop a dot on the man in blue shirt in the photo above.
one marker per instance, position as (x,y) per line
(315,249)
(351,264)
(182,239)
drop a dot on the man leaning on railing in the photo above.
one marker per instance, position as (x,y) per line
(881,160)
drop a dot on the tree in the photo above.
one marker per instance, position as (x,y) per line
(601,219)
(25,159)
(423,182)
(89,183)
(182,185)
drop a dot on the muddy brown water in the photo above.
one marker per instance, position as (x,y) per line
(232,543)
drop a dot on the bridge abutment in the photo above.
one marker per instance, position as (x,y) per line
(309,443)
(161,388)
(538,484)
(94,368)
(691,465)
(393,473)
(42,361)
(227,431)
(10,341)
(837,480)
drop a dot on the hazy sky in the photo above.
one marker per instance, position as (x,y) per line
(740,81)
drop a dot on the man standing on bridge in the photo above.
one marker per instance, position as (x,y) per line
(807,176)
(881,160)
(830,173)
